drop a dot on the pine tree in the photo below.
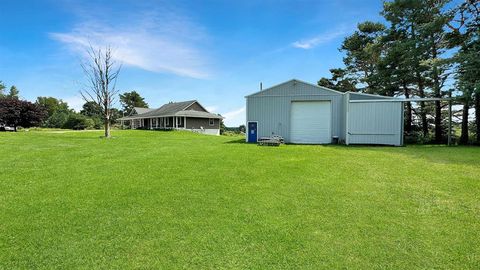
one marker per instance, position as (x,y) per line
(363,52)
(13,92)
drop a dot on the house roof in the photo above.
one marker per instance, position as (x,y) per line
(140,110)
(174,109)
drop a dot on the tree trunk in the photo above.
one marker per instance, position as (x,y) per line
(421,90)
(438,123)
(107,122)
(464,136)
(437,93)
(408,116)
(477,117)
(423,113)
(107,129)
(15,128)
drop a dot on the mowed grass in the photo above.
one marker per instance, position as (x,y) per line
(163,200)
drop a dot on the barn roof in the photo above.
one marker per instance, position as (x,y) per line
(259,93)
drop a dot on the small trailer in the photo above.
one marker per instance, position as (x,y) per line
(274,140)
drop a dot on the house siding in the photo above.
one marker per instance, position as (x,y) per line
(196,123)
(195,107)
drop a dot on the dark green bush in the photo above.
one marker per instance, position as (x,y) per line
(79,122)
(57,120)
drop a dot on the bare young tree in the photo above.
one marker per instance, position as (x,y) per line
(102,72)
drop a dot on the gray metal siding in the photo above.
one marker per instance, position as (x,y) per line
(354,123)
(375,123)
(271,108)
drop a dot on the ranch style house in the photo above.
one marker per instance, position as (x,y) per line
(186,115)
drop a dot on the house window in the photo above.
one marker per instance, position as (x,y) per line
(211,122)
(180,122)
(167,121)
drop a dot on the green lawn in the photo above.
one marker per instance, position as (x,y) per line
(148,199)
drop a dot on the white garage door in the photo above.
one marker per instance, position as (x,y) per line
(310,122)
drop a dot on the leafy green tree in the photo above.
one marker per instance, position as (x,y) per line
(242,128)
(57,111)
(57,119)
(132,99)
(78,122)
(94,111)
(115,114)
(53,105)
(91,109)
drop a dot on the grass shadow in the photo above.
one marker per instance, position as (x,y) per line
(440,154)
(236,141)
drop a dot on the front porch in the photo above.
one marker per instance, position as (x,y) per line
(169,122)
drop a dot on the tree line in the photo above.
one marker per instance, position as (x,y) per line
(51,112)
(427,48)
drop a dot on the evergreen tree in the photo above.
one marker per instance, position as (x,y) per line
(465,33)
(406,18)
(339,81)
(129,100)
(13,92)
(363,51)
(2,89)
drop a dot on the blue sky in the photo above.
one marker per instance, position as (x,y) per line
(213,51)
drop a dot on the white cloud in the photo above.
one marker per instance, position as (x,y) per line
(235,118)
(211,109)
(75,102)
(311,43)
(164,43)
